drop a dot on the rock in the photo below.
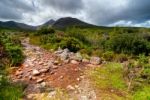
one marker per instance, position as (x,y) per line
(66,50)
(56,62)
(19,73)
(61,77)
(43,84)
(69,87)
(84,98)
(74,62)
(43,70)
(41,63)
(85,60)
(59,51)
(40,80)
(78,57)
(35,72)
(54,67)
(52,94)
(64,56)
(95,60)
(78,79)
(66,61)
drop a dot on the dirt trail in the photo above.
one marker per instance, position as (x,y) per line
(43,71)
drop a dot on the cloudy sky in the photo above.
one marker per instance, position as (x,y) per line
(99,12)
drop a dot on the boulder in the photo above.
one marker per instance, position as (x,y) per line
(95,60)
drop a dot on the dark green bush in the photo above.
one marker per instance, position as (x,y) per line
(72,44)
(45,30)
(128,43)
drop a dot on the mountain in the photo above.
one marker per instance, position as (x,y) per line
(49,23)
(16,25)
(63,23)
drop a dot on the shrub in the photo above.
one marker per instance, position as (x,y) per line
(128,43)
(45,30)
(12,49)
(72,44)
(108,56)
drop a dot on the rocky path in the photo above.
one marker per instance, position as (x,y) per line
(43,71)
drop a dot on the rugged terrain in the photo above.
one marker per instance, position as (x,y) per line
(44,72)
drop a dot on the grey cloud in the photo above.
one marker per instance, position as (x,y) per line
(13,9)
(137,11)
(66,6)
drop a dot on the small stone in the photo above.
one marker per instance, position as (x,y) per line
(40,63)
(56,62)
(55,67)
(30,77)
(61,77)
(39,80)
(35,72)
(43,70)
(19,77)
(52,72)
(95,60)
(74,62)
(52,94)
(19,73)
(69,87)
(85,60)
(43,84)
(78,79)
(66,61)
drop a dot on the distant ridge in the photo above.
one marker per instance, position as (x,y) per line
(16,25)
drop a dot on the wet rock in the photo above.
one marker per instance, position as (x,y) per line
(74,62)
(35,72)
(95,60)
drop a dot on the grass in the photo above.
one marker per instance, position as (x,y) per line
(9,91)
(109,78)
(142,94)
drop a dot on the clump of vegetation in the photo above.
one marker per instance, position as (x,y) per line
(128,44)
(45,31)
(11,50)
(10,91)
